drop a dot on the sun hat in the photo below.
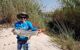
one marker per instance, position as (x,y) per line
(22,15)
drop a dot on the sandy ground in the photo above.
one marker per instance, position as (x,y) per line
(8,41)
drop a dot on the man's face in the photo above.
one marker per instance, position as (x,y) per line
(23,19)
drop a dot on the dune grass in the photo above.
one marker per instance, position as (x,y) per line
(65,42)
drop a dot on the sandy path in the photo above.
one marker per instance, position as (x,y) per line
(41,42)
(7,40)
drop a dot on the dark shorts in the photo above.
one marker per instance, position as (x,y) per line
(22,41)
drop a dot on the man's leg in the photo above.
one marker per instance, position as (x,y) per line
(25,46)
(19,46)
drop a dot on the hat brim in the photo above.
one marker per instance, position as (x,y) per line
(20,16)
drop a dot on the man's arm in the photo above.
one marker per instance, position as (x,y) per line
(33,28)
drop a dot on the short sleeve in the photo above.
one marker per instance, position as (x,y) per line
(31,26)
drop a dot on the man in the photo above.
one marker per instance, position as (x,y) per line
(21,29)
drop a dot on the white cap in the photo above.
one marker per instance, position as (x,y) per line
(23,13)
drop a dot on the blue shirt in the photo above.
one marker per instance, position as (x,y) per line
(27,25)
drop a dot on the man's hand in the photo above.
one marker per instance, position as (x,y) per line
(13,30)
(39,31)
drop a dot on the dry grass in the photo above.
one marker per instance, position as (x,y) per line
(2,26)
(66,43)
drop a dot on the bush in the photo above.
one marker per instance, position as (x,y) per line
(64,20)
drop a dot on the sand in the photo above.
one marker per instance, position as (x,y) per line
(8,41)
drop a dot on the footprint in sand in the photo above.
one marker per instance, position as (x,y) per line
(4,44)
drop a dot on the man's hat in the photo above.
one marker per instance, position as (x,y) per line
(22,15)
